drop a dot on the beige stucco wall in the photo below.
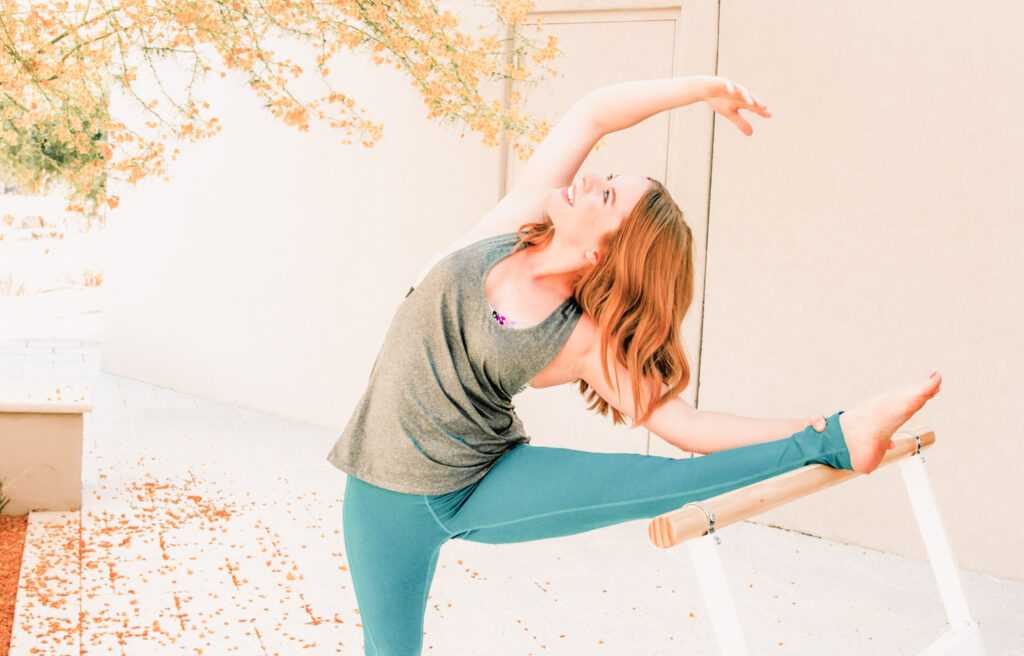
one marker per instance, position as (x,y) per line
(869,234)
(863,237)
(265,271)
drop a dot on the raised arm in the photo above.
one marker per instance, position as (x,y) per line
(604,110)
(619,106)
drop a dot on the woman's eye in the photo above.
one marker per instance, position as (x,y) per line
(606,193)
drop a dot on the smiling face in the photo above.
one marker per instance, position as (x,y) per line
(592,207)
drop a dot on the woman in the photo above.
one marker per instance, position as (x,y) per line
(561,282)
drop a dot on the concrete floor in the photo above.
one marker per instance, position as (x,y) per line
(212,529)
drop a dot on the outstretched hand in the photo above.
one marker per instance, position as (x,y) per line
(727,98)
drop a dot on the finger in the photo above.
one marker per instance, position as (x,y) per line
(741,124)
(729,87)
(819,424)
(761,108)
(746,96)
(892,445)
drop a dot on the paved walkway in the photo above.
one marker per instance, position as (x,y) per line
(211,529)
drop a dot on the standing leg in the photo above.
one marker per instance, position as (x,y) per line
(536,492)
(392,541)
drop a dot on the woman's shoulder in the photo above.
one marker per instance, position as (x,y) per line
(515,210)
(464,244)
(480,238)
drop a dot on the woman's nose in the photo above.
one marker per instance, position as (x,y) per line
(587,181)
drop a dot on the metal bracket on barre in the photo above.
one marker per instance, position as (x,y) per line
(711,520)
(917,452)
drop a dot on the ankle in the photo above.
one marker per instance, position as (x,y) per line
(834,431)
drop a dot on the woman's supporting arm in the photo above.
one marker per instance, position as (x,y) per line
(676,421)
(706,431)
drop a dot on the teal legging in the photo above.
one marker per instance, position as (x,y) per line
(393,539)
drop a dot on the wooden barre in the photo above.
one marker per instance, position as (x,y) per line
(691,521)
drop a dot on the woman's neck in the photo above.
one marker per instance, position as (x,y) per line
(555,265)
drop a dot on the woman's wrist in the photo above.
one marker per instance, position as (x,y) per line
(702,84)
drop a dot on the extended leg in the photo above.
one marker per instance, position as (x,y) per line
(536,492)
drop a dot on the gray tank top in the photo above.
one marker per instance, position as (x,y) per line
(437,412)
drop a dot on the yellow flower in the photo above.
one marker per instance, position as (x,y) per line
(446,63)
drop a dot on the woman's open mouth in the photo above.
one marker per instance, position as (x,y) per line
(570,197)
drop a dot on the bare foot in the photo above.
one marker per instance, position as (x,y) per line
(869,426)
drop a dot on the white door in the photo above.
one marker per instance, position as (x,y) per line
(604,43)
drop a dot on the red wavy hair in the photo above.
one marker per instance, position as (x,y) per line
(637,294)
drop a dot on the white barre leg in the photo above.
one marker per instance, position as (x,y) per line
(721,608)
(963,632)
(965,641)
